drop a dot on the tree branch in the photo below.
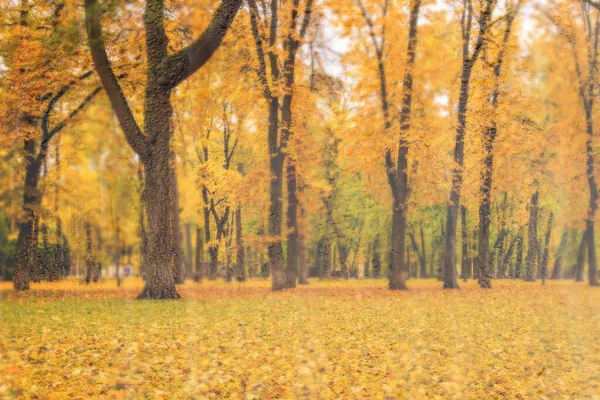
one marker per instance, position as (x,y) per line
(593,4)
(262,65)
(131,129)
(183,64)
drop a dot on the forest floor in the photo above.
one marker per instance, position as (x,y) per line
(343,339)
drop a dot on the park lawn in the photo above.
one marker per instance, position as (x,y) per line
(343,339)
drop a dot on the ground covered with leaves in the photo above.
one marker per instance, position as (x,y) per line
(351,340)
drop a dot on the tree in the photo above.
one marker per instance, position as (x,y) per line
(41,37)
(469,58)
(277,86)
(489,134)
(152,144)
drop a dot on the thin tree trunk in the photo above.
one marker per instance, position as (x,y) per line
(544,266)
(199,248)
(189,267)
(302,266)
(519,262)
(420,252)
(557,270)
(376,262)
(343,254)
(292,262)
(176,236)
(35,265)
(90,262)
(506,265)
(532,245)
(240,274)
(581,253)
(465,243)
(366,271)
(423,273)
(45,258)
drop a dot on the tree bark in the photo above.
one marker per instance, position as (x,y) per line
(35,265)
(557,270)
(589,223)
(532,244)
(544,266)
(31,201)
(240,273)
(90,262)
(189,267)
(465,244)
(581,253)
(176,236)
(376,261)
(420,252)
(292,262)
(366,271)
(302,266)
(199,250)
(519,261)
(506,260)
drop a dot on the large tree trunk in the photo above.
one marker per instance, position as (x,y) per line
(532,244)
(31,201)
(397,269)
(160,282)
(275,248)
